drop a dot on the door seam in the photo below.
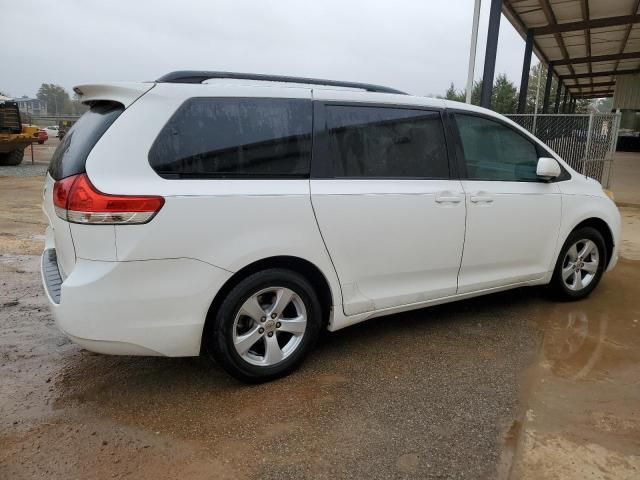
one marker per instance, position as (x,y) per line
(464,237)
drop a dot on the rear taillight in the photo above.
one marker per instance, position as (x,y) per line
(76,200)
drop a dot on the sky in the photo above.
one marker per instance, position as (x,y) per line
(419,46)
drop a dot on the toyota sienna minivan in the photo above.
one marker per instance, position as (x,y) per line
(239,215)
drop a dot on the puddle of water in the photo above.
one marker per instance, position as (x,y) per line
(582,395)
(590,339)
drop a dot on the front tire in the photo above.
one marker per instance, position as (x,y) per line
(580,265)
(265,326)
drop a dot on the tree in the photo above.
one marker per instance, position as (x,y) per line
(55,97)
(452,94)
(77,107)
(582,105)
(603,105)
(537,74)
(539,70)
(476,92)
(504,98)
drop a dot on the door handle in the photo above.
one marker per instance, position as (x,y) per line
(448,197)
(481,197)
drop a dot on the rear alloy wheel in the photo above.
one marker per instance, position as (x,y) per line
(266,325)
(12,158)
(269,326)
(580,265)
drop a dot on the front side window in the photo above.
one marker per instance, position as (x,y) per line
(235,138)
(493,151)
(383,142)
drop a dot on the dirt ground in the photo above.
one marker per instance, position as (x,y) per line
(511,385)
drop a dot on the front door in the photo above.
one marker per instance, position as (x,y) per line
(513,218)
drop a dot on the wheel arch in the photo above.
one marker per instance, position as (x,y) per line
(306,268)
(605,230)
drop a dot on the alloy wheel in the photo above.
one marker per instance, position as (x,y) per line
(269,326)
(580,265)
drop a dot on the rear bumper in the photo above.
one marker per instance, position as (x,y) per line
(151,307)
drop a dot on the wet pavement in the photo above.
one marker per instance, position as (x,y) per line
(583,407)
(509,385)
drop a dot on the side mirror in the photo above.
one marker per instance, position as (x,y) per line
(548,168)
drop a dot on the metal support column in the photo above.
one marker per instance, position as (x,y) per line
(564,100)
(526,67)
(558,95)
(490,53)
(547,88)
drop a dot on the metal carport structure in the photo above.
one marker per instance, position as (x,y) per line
(587,46)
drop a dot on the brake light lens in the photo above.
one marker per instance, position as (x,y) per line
(76,200)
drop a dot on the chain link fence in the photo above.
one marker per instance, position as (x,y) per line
(587,142)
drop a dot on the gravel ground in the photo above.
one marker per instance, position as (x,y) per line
(24,170)
(430,394)
(36,167)
(427,394)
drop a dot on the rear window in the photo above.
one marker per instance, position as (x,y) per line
(71,155)
(235,138)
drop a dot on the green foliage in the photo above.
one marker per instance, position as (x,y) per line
(504,97)
(582,105)
(55,97)
(604,105)
(539,72)
(58,101)
(452,94)
(537,79)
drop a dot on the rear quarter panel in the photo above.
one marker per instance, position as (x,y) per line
(226,223)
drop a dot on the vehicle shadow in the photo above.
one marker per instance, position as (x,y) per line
(388,395)
(369,348)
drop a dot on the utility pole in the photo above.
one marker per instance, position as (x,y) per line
(472,52)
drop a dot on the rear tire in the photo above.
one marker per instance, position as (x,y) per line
(265,326)
(580,264)
(12,158)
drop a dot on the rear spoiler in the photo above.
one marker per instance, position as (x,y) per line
(124,93)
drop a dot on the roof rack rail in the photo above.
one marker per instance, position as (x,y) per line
(198,76)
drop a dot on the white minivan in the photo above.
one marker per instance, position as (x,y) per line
(238,215)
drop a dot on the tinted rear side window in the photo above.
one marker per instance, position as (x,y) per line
(383,142)
(71,155)
(235,138)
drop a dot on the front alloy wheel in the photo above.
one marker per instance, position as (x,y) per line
(580,264)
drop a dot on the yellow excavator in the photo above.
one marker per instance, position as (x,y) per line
(14,136)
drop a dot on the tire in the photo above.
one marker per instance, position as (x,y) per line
(246,312)
(565,283)
(12,158)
